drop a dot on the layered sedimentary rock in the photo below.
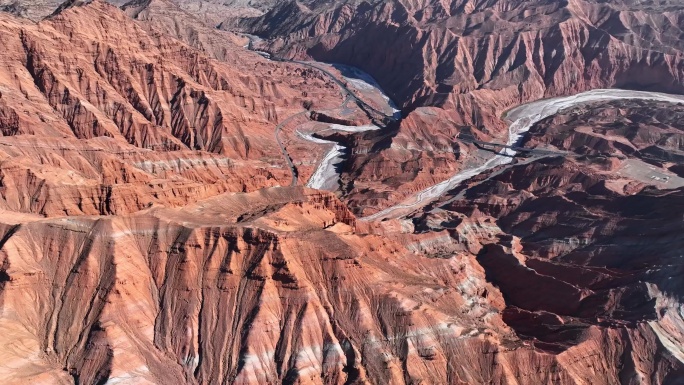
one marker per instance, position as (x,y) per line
(460,54)
(166,17)
(580,263)
(475,60)
(112,117)
(590,250)
(182,296)
(238,289)
(649,131)
(145,236)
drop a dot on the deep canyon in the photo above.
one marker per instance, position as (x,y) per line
(342,192)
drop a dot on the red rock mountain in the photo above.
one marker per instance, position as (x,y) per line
(474,60)
(154,226)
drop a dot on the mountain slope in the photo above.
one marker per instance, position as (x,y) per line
(463,64)
(112,117)
(146,236)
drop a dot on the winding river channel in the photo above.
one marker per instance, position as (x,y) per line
(522,118)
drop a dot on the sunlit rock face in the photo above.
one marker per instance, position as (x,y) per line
(587,251)
(149,233)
